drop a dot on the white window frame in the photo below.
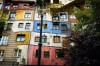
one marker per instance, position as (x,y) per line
(17,54)
(20,37)
(26,15)
(27,26)
(4,40)
(12,15)
(20,25)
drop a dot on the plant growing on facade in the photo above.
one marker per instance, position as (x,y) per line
(3,14)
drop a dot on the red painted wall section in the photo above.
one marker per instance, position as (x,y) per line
(52,60)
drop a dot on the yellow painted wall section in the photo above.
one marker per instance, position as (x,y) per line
(20,14)
(27,38)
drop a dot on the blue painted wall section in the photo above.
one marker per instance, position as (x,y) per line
(50,27)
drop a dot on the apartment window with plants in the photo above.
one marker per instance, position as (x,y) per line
(63,15)
(27,15)
(44,39)
(56,39)
(55,26)
(55,17)
(17,52)
(9,26)
(59,53)
(12,15)
(20,37)
(27,26)
(63,28)
(3,40)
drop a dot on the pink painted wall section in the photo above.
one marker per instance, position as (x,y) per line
(52,60)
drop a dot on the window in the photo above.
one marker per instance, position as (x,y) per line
(1,53)
(55,18)
(37,39)
(27,26)
(20,25)
(56,39)
(56,26)
(12,15)
(27,15)
(36,55)
(20,37)
(17,52)
(0,5)
(3,40)
(63,15)
(63,28)
(9,26)
(44,26)
(56,1)
(59,53)
(44,39)
(25,5)
(15,5)
(7,6)
(44,15)
(65,41)
(46,54)
(38,26)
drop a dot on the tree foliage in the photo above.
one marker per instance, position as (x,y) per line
(85,52)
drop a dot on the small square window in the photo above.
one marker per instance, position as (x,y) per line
(15,5)
(27,15)
(46,54)
(27,26)
(63,15)
(37,39)
(59,53)
(20,37)
(20,25)
(17,52)
(44,15)
(44,39)
(56,39)
(55,26)
(9,26)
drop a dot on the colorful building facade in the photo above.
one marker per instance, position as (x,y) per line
(20,38)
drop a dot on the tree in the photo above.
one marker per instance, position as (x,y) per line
(3,13)
(86,52)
